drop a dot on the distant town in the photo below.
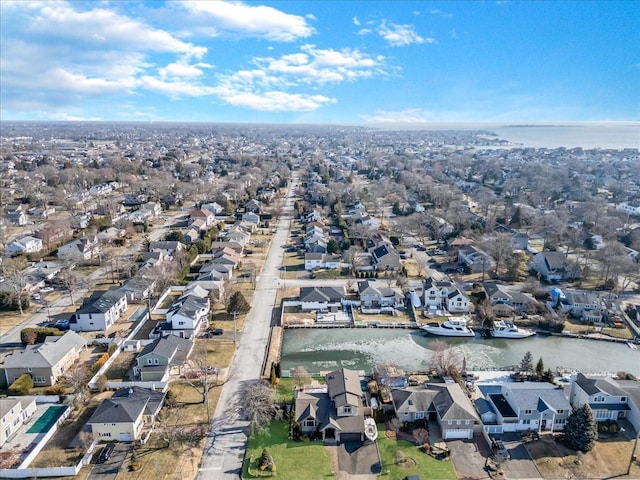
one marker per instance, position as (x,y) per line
(151,273)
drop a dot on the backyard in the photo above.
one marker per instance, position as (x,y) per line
(609,458)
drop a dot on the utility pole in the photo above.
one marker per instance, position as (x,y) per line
(633,452)
(235,330)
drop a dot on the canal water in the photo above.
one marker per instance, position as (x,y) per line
(362,349)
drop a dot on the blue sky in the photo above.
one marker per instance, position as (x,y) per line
(320,61)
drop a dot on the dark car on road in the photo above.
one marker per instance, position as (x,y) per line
(216,331)
(106,453)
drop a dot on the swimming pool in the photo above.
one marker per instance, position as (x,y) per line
(48,419)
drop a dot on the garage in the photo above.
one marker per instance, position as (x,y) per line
(458,433)
(125,437)
(350,437)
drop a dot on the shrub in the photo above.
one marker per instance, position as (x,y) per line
(22,386)
(33,335)
(265,462)
(100,362)
(112,348)
(55,390)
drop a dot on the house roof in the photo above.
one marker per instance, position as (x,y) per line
(593,385)
(127,405)
(172,347)
(344,383)
(452,403)
(527,396)
(188,306)
(102,302)
(411,401)
(45,354)
(321,294)
(502,405)
(554,260)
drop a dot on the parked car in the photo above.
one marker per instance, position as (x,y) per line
(62,324)
(499,449)
(439,252)
(216,331)
(106,453)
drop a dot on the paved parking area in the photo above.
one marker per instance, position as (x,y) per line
(521,464)
(109,469)
(356,458)
(469,457)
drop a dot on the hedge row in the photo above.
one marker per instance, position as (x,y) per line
(22,386)
(33,335)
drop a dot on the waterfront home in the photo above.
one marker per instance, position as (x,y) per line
(447,404)
(445,295)
(608,397)
(374,299)
(528,406)
(323,299)
(46,361)
(127,416)
(336,413)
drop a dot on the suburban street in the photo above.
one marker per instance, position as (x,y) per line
(225,447)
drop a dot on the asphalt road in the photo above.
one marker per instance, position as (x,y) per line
(226,444)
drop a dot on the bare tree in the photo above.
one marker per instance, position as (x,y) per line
(258,405)
(300,376)
(446,359)
(201,376)
(12,269)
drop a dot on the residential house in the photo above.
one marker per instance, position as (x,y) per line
(100,311)
(253,206)
(42,212)
(235,246)
(16,215)
(609,398)
(168,247)
(84,248)
(26,244)
(127,416)
(214,208)
(237,234)
(189,312)
(323,260)
(445,295)
(198,214)
(192,235)
(475,259)
(337,414)
(14,412)
(101,189)
(583,305)
(139,287)
(52,234)
(447,404)
(45,362)
(251,217)
(528,406)
(321,298)
(374,299)
(385,258)
(507,302)
(554,267)
(315,244)
(160,358)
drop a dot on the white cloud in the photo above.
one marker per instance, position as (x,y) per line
(276,101)
(401,35)
(356,22)
(439,13)
(175,88)
(221,17)
(409,115)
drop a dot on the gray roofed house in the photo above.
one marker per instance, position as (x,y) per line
(169,247)
(555,266)
(128,415)
(100,311)
(446,403)
(161,357)
(337,414)
(321,298)
(45,362)
(608,397)
(530,406)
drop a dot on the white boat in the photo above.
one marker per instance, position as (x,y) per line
(454,327)
(632,346)
(370,429)
(506,329)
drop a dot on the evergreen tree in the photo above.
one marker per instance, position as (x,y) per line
(526,364)
(333,246)
(238,304)
(540,369)
(581,430)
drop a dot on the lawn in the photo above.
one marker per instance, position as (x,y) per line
(609,458)
(423,465)
(293,460)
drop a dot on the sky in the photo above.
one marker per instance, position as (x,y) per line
(329,61)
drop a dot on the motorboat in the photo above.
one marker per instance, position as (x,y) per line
(453,327)
(370,429)
(507,329)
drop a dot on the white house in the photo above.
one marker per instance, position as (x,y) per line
(99,312)
(26,244)
(85,248)
(445,295)
(189,312)
(14,412)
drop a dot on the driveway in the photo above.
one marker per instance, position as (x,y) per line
(521,464)
(469,457)
(356,458)
(109,469)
